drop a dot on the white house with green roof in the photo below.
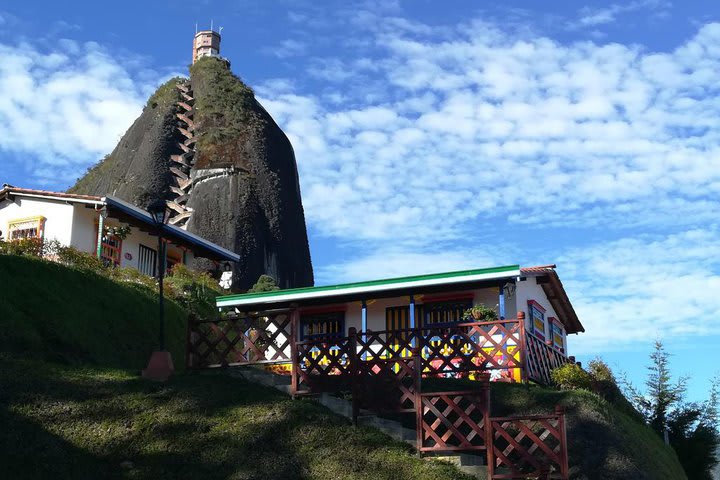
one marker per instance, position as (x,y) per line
(532,296)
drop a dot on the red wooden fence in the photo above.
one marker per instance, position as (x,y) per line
(453,421)
(528,447)
(239,340)
(541,359)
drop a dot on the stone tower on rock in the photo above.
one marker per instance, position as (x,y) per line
(222,164)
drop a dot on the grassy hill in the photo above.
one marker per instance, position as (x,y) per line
(66,414)
(605,441)
(90,423)
(51,312)
(73,406)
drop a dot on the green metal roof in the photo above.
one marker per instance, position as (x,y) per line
(369,286)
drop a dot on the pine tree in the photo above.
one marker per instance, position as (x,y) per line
(662,394)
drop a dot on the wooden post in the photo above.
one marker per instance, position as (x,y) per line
(294,360)
(352,339)
(417,374)
(564,460)
(524,376)
(487,422)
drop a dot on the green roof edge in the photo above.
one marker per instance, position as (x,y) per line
(370,283)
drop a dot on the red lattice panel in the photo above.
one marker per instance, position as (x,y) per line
(387,385)
(239,341)
(542,359)
(529,447)
(452,421)
(323,364)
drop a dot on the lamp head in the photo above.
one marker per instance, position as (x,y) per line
(159,211)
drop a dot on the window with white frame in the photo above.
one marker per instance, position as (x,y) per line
(26,228)
(147,259)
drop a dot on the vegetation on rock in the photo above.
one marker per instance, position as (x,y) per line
(265,283)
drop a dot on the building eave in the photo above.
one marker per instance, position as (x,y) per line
(366,289)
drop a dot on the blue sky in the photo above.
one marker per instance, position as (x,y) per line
(433,136)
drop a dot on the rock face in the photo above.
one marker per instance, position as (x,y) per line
(244,192)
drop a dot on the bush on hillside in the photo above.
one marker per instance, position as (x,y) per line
(196,291)
(605,385)
(571,377)
(72,257)
(34,247)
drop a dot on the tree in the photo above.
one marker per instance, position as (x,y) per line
(692,428)
(662,393)
(694,441)
(265,283)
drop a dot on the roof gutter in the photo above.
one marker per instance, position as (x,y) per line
(340,290)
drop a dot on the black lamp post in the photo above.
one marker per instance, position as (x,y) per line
(160,366)
(159,212)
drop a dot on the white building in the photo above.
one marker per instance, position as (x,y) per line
(118,232)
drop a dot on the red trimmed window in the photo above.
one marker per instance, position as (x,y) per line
(536,312)
(556,333)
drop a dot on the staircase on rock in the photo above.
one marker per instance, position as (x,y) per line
(183,161)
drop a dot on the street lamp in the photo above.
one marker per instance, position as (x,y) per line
(160,366)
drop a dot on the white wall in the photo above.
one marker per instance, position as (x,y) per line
(530,290)
(376,308)
(84,229)
(76,225)
(58,215)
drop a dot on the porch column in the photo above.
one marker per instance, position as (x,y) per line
(101,225)
(412,311)
(412,318)
(363,318)
(363,326)
(501,301)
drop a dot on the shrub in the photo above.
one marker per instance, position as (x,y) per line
(72,257)
(34,247)
(196,291)
(571,377)
(134,277)
(480,313)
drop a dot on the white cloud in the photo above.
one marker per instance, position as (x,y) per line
(634,289)
(484,126)
(287,48)
(64,108)
(592,17)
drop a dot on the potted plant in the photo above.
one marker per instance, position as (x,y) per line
(481,313)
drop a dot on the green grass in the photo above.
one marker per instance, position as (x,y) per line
(52,312)
(72,422)
(604,442)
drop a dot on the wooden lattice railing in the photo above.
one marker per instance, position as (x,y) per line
(453,421)
(528,447)
(240,340)
(323,364)
(457,349)
(542,359)
(386,385)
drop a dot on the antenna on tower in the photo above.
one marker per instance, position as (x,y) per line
(211,25)
(195,28)
(220,30)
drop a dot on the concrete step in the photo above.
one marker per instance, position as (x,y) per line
(468,463)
